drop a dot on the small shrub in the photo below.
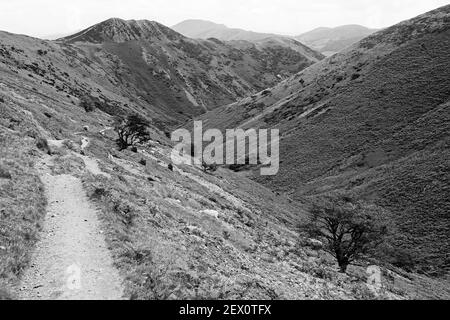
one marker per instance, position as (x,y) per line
(2,100)
(125,212)
(143,162)
(99,193)
(209,167)
(4,174)
(362,292)
(4,295)
(42,144)
(87,103)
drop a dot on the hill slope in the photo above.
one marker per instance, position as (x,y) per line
(180,75)
(176,233)
(332,40)
(372,119)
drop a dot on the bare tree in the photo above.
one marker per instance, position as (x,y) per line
(131,130)
(347,228)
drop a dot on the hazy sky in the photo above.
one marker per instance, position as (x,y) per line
(48,17)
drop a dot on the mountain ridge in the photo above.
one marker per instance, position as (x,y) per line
(332,40)
(188,76)
(119,30)
(203,29)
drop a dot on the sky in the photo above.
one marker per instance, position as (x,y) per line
(290,17)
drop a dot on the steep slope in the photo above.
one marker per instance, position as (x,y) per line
(332,40)
(372,119)
(183,76)
(201,29)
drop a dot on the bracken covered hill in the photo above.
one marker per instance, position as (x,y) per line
(373,119)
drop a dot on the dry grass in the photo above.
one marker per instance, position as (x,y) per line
(22,208)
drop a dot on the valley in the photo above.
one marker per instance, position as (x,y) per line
(372,120)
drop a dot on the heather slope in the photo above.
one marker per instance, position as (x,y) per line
(371,119)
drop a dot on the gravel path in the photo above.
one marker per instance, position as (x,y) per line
(71,261)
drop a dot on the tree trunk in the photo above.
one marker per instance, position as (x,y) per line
(343,267)
(343,262)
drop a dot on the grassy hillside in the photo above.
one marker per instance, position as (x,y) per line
(178,232)
(173,234)
(372,119)
(22,207)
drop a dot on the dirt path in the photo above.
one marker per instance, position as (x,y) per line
(72,261)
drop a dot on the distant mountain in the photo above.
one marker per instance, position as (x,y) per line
(332,40)
(55,36)
(201,29)
(372,119)
(180,76)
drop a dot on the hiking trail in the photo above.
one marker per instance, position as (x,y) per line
(71,261)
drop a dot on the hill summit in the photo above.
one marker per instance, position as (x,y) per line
(118,30)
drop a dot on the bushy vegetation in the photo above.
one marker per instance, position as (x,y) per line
(131,130)
(42,144)
(22,208)
(209,167)
(348,228)
(87,103)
